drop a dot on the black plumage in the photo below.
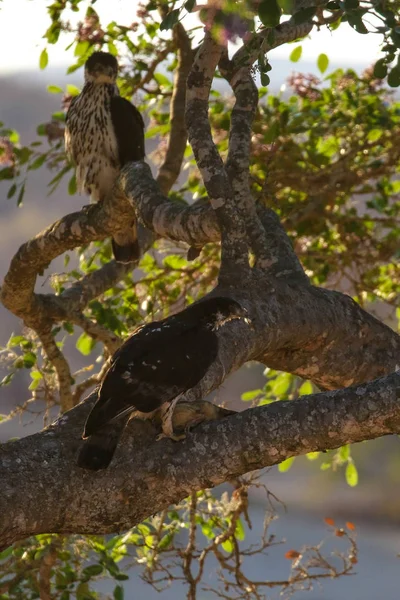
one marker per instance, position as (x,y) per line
(156,365)
(103,132)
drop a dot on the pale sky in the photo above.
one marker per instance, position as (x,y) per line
(23,22)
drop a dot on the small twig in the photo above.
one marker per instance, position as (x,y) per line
(91,381)
(171,167)
(59,362)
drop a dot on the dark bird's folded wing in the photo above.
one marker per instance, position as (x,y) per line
(128,128)
(129,132)
(68,138)
(155,365)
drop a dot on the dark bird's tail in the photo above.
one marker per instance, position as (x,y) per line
(98,449)
(125,245)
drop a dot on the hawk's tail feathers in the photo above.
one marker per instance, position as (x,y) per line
(125,246)
(98,449)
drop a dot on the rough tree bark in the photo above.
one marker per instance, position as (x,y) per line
(321,335)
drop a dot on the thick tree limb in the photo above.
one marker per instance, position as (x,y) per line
(209,162)
(43,490)
(238,160)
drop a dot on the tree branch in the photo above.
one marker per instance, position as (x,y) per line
(171,167)
(238,160)
(209,162)
(263,41)
(59,362)
(44,491)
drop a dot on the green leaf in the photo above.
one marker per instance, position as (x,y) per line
(34,384)
(59,116)
(6,173)
(12,191)
(29,359)
(295,54)
(394,77)
(118,593)
(81,48)
(75,67)
(265,79)
(374,135)
(251,395)
(72,186)
(23,154)
(227,546)
(165,541)
(312,455)
(112,48)
(15,340)
(92,571)
(36,375)
(380,68)
(306,388)
(174,261)
(21,194)
(73,90)
(239,530)
(351,474)
(189,4)
(6,553)
(355,21)
(54,89)
(170,20)
(53,32)
(6,381)
(37,163)
(43,59)
(13,136)
(85,344)
(286,464)
(162,79)
(322,62)
(280,386)
(344,453)
(272,132)
(83,591)
(269,13)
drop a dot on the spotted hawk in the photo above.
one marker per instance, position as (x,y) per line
(103,132)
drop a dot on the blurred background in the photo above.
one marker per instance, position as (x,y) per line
(309,493)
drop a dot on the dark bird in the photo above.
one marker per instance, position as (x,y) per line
(103,132)
(156,365)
